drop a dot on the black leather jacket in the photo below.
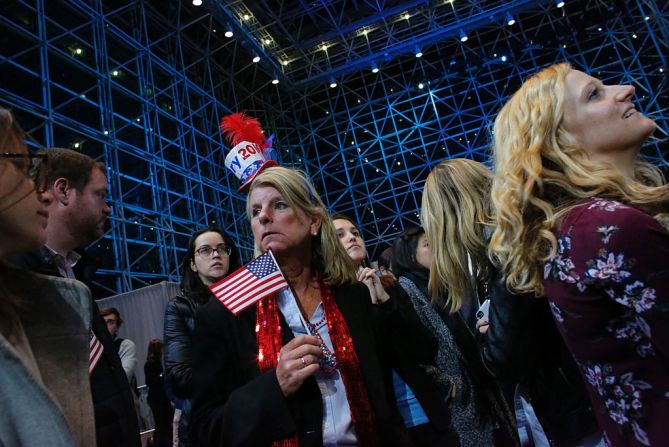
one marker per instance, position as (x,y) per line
(523,346)
(178,335)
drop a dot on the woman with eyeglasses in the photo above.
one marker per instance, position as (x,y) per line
(211,255)
(44,338)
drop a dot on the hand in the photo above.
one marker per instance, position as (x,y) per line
(482,325)
(368,277)
(298,360)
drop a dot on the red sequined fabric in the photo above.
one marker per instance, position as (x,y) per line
(268,334)
(362,414)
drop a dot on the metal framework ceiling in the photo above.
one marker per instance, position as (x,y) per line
(308,42)
(142,84)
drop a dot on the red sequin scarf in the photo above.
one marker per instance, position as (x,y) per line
(268,334)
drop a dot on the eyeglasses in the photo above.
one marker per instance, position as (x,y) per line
(35,169)
(208,251)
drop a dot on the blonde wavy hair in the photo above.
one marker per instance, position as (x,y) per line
(328,257)
(455,212)
(541,173)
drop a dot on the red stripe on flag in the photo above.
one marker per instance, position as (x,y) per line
(250,283)
(95,350)
(271,288)
(230,297)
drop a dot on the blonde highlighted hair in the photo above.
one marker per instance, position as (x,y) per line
(328,257)
(455,213)
(541,173)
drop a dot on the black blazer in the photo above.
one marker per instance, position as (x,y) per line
(115,416)
(235,404)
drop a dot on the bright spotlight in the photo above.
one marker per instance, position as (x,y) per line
(463,36)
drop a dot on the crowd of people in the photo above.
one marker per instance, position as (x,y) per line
(531,307)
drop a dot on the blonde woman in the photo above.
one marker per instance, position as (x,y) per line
(575,222)
(521,346)
(307,366)
(456,214)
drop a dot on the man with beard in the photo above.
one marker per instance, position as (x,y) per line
(77,217)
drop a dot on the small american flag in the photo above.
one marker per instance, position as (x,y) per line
(254,281)
(95,349)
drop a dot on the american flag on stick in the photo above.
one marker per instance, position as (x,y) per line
(256,280)
(95,350)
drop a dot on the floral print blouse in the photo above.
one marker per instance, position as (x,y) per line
(608,287)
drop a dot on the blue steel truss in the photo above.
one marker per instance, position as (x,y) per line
(371,141)
(141,85)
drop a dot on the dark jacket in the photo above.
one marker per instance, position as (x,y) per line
(478,404)
(236,404)
(41,261)
(432,393)
(523,346)
(179,328)
(115,415)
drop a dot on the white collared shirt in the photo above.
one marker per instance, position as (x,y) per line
(337,425)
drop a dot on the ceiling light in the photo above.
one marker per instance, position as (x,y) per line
(256,59)
(78,51)
(503,58)
(246,16)
(228,33)
(421,85)
(509,19)
(463,36)
(268,41)
(333,83)
(284,62)
(197,2)
(559,3)
(375,68)
(407,16)
(418,52)
(275,81)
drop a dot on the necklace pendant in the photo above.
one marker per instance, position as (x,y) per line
(329,362)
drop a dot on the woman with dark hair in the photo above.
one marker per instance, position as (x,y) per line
(160,405)
(44,334)
(211,255)
(479,414)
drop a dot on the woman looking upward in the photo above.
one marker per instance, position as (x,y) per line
(575,213)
